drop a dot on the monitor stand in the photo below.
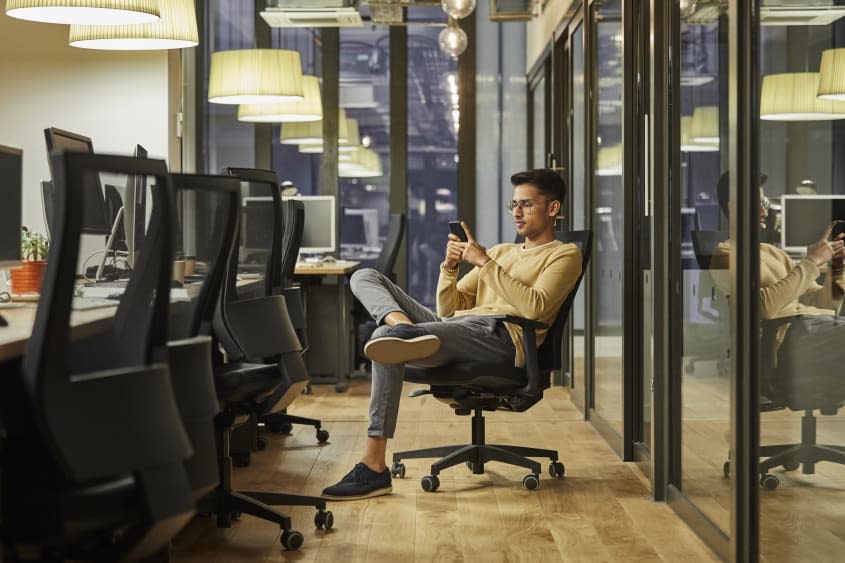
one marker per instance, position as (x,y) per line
(109,244)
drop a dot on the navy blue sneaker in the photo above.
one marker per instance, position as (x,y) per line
(402,343)
(361,482)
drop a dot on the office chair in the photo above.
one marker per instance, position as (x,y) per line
(94,446)
(254,329)
(478,386)
(385,264)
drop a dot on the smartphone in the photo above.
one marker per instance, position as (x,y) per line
(838,228)
(458,230)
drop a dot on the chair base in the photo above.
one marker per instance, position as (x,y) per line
(805,454)
(477,454)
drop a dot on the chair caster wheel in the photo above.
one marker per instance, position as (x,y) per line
(397,470)
(324,519)
(281,427)
(471,466)
(307,390)
(322,436)
(726,469)
(292,540)
(769,482)
(261,443)
(341,386)
(240,460)
(430,483)
(791,466)
(556,469)
(531,481)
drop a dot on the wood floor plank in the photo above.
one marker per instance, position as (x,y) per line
(599,512)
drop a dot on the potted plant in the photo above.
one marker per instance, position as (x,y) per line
(27,278)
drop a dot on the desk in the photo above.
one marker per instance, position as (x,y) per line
(328,311)
(13,338)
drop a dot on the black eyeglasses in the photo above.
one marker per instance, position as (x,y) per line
(525,204)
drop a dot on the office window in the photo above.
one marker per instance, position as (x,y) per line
(434,107)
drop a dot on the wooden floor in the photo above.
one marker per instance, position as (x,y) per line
(599,512)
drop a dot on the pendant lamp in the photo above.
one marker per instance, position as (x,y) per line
(91,12)
(177,29)
(792,97)
(255,76)
(687,142)
(832,75)
(311,132)
(609,161)
(309,108)
(705,125)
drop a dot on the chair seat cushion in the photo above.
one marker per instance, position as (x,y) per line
(493,378)
(238,382)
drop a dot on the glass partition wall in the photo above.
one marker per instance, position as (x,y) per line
(800,135)
(607,204)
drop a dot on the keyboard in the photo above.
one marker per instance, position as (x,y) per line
(88,303)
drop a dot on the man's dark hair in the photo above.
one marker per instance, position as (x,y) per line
(547,181)
(723,189)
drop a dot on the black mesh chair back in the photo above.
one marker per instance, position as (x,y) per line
(386,260)
(95,406)
(262,226)
(294,217)
(704,244)
(208,211)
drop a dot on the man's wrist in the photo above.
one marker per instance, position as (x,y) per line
(445,267)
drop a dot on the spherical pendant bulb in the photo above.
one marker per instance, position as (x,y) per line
(458,8)
(453,41)
(687,7)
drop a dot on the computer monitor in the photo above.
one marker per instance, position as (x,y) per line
(135,210)
(352,229)
(11,183)
(318,233)
(804,218)
(94,221)
(369,221)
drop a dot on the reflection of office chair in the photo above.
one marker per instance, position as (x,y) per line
(798,390)
(711,304)
(478,386)
(94,447)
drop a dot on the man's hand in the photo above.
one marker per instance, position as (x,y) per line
(823,251)
(473,253)
(837,262)
(454,251)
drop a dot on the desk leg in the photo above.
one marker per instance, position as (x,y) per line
(329,358)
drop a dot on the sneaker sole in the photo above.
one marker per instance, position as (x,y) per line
(391,350)
(375,493)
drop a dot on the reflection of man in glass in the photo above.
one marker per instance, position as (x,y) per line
(815,334)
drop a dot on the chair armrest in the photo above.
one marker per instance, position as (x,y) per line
(524,323)
(534,386)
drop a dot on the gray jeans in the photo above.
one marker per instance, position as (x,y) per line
(461,339)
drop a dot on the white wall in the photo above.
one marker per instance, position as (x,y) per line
(541,29)
(117,99)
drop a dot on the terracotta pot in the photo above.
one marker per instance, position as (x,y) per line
(27,278)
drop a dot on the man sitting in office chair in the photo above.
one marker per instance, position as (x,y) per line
(530,280)
(816,335)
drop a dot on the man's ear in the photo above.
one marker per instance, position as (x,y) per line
(554,210)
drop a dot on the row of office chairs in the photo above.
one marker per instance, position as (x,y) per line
(115,433)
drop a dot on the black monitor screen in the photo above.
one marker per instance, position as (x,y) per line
(805,218)
(353,230)
(94,220)
(11,161)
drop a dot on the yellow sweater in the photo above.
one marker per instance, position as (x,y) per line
(530,283)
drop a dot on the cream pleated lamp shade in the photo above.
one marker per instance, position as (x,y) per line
(609,161)
(365,163)
(177,29)
(353,137)
(311,132)
(309,108)
(317,148)
(832,75)
(88,12)
(255,76)
(687,142)
(792,96)
(705,125)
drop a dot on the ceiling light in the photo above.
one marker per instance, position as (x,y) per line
(311,132)
(792,97)
(458,9)
(177,29)
(309,108)
(705,125)
(687,142)
(92,12)
(452,40)
(255,76)
(832,75)
(609,161)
